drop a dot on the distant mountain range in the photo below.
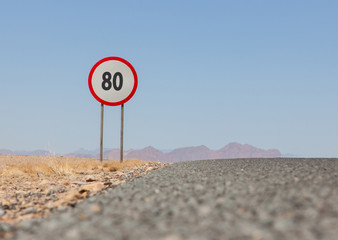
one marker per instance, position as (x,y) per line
(232,150)
(25,153)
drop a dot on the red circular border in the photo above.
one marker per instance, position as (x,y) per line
(91,86)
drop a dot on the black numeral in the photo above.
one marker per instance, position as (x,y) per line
(117,88)
(107,84)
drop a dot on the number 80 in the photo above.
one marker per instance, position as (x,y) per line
(107,84)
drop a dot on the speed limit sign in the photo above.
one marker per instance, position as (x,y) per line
(112,81)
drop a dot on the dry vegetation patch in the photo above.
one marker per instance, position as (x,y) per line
(62,166)
(32,187)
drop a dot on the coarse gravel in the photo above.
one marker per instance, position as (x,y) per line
(210,199)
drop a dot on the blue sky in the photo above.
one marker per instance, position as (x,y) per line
(263,73)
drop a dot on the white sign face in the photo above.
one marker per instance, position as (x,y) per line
(112,81)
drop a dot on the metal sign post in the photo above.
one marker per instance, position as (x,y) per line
(121,139)
(112,81)
(101,135)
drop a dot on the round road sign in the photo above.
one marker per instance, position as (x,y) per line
(112,81)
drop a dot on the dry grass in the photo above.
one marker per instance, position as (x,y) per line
(61,166)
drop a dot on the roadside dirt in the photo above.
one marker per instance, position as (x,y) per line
(33,187)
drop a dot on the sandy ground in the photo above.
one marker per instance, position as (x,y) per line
(33,187)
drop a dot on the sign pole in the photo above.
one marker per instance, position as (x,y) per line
(121,142)
(101,137)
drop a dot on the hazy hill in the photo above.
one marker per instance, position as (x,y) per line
(25,153)
(232,150)
(236,150)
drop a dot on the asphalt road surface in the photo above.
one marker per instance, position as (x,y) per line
(212,199)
